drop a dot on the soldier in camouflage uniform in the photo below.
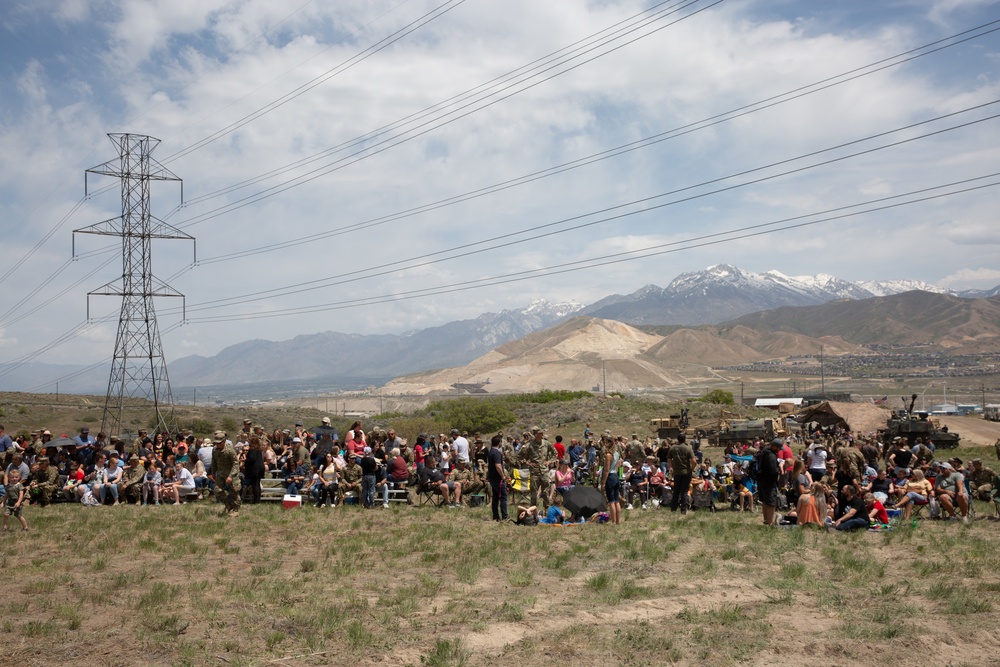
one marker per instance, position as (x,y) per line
(636,453)
(44,482)
(980,480)
(509,456)
(137,443)
(537,447)
(132,479)
(226,475)
(464,474)
(350,478)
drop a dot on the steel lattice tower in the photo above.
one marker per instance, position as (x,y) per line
(138,369)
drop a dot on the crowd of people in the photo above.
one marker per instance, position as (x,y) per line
(833,479)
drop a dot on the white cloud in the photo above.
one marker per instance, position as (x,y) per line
(191,68)
(981,278)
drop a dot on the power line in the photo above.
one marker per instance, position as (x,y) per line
(436,255)
(386,144)
(606,154)
(604,260)
(384,43)
(520,71)
(691,243)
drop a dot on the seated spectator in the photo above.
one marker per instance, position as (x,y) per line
(855,514)
(199,474)
(742,496)
(133,477)
(949,489)
(555,515)
(73,479)
(110,480)
(564,477)
(657,480)
(876,510)
(433,480)
(182,486)
(398,472)
(811,507)
(881,487)
(635,483)
(328,484)
(915,490)
(295,476)
(151,486)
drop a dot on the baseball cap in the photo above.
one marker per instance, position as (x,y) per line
(368,450)
(326,420)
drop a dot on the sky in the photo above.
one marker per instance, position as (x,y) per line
(378,166)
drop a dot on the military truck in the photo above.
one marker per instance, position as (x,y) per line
(910,425)
(739,430)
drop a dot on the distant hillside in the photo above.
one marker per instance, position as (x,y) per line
(968,326)
(583,352)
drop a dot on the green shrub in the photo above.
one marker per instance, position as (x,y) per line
(485,415)
(718,397)
(199,426)
(229,425)
(548,396)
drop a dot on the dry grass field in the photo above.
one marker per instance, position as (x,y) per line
(431,586)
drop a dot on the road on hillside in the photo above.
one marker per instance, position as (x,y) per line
(974,430)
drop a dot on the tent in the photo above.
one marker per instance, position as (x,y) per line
(863,417)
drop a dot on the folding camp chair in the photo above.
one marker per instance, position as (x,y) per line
(520,485)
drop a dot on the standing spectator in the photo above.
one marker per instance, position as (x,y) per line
(14,500)
(767,479)
(560,448)
(497,477)
(610,456)
(682,465)
(459,446)
(253,468)
(369,472)
(225,472)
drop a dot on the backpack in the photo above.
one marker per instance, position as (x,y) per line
(754,468)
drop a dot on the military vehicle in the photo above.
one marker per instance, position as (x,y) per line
(739,430)
(910,425)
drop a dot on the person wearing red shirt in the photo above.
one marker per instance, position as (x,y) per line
(560,448)
(876,510)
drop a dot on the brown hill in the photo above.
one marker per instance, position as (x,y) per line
(967,326)
(586,352)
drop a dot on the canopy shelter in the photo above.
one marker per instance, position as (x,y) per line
(855,417)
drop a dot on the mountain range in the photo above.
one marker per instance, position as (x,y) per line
(717,294)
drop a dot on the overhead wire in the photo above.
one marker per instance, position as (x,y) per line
(437,255)
(626,24)
(690,243)
(645,142)
(384,43)
(742,233)
(407,135)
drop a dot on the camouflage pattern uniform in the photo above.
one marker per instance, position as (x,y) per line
(45,481)
(226,464)
(539,472)
(509,457)
(131,484)
(981,483)
(351,474)
(468,480)
(636,454)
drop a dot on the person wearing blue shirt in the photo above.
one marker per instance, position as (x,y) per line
(5,441)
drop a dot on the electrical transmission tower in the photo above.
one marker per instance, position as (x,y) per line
(138,369)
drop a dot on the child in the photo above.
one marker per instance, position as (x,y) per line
(15,499)
(152,484)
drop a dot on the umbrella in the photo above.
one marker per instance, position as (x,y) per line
(584,501)
(61,442)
